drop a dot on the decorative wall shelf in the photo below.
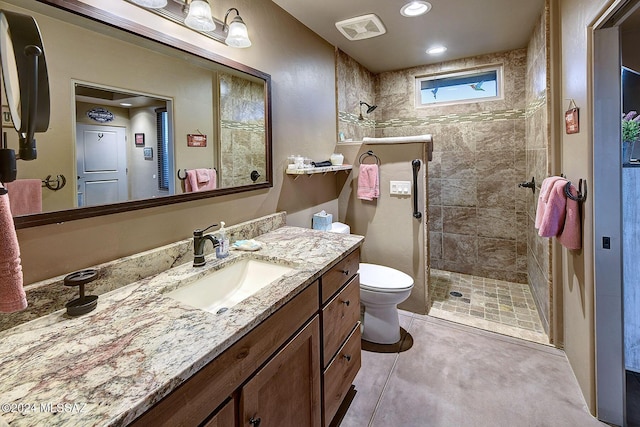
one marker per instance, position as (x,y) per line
(322,170)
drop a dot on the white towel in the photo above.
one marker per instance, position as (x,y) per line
(398,139)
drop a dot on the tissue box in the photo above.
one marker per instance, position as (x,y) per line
(322,221)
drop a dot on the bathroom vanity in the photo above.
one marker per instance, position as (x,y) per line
(273,374)
(285,356)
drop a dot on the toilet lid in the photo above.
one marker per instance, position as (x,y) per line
(379,278)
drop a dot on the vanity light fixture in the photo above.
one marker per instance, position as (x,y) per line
(237,34)
(199,18)
(415,8)
(153,4)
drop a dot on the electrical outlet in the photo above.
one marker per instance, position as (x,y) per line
(402,188)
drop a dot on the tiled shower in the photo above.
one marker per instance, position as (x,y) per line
(480,220)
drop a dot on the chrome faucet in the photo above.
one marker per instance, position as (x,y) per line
(199,239)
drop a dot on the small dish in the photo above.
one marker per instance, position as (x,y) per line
(247,245)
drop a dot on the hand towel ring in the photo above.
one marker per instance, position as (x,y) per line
(582,196)
(368,154)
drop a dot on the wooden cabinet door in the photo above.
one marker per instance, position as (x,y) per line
(226,417)
(286,391)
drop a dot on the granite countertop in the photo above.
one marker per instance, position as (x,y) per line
(109,366)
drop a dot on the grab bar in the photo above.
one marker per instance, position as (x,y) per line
(415,164)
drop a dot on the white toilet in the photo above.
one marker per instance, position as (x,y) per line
(381,290)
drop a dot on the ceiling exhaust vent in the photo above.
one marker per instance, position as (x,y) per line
(361,27)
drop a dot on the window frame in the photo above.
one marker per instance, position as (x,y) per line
(498,68)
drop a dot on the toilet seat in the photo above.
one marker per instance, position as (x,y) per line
(378,278)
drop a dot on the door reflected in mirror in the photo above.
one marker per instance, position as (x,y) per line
(113,127)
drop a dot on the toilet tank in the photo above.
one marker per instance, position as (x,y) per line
(338,227)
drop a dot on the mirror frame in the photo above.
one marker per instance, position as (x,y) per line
(99,15)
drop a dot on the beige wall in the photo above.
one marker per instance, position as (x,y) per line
(302,68)
(576,272)
(393,237)
(476,210)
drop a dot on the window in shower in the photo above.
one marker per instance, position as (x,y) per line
(478,84)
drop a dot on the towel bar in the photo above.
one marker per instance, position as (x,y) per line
(368,154)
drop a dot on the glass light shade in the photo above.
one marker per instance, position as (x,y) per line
(152,4)
(415,8)
(238,35)
(199,17)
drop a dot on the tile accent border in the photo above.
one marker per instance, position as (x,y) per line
(249,127)
(344,117)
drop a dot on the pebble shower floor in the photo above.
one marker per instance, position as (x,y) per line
(499,306)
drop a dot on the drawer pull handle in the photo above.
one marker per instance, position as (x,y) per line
(346,302)
(348,357)
(254,421)
(345,272)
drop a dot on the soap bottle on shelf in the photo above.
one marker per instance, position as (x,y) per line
(222,250)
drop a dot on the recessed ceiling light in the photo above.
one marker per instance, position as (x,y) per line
(126,104)
(436,50)
(415,8)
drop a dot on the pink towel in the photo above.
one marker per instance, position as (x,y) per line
(552,221)
(571,235)
(368,182)
(200,180)
(25,196)
(12,295)
(543,198)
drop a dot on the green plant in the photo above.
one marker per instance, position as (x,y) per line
(630,126)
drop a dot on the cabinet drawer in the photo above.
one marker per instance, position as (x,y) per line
(338,318)
(340,374)
(339,274)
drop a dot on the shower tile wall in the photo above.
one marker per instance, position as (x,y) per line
(354,83)
(538,166)
(242,119)
(477,213)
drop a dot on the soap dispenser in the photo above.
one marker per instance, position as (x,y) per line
(222,250)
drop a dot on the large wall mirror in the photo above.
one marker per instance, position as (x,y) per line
(131,115)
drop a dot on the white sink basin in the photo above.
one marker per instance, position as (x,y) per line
(229,285)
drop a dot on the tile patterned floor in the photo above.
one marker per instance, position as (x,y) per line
(495,305)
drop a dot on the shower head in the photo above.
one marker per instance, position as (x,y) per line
(370,108)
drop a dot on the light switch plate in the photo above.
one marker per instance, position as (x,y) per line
(402,188)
